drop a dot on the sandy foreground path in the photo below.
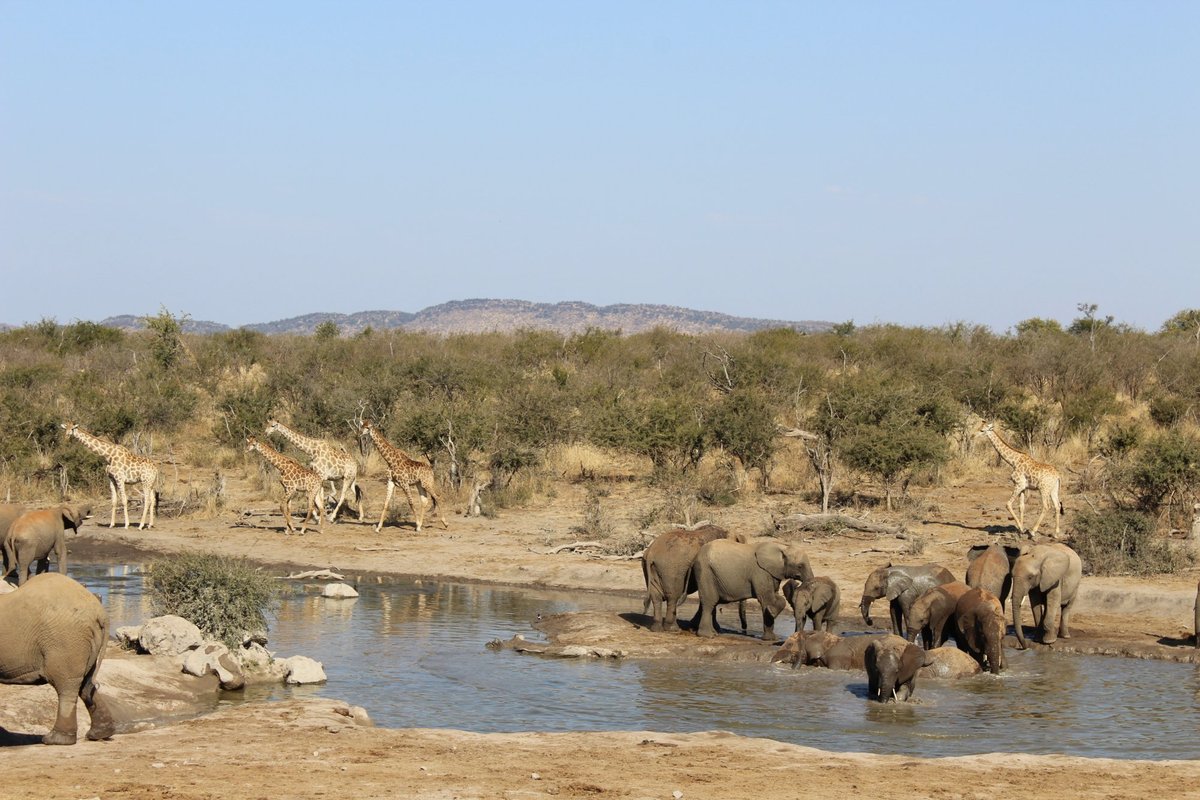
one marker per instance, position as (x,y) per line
(307,749)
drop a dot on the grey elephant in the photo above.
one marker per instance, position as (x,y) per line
(892,665)
(667,570)
(1050,575)
(727,572)
(981,627)
(901,585)
(990,567)
(818,599)
(34,535)
(53,630)
(932,614)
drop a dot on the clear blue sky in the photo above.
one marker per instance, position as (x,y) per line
(917,163)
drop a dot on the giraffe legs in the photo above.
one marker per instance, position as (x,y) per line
(418,515)
(286,507)
(112,485)
(435,504)
(1018,518)
(387,501)
(149,505)
(124,503)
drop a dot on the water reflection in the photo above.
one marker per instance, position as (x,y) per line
(413,654)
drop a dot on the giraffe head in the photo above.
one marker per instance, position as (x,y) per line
(986,428)
(364,435)
(251,444)
(70,428)
(272,426)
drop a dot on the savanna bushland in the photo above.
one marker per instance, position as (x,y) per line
(862,416)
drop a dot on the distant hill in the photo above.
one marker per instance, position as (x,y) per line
(482,316)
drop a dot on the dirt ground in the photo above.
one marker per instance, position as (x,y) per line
(308,749)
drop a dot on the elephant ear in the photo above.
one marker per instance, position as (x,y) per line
(1054,567)
(769,556)
(976,551)
(71,518)
(897,584)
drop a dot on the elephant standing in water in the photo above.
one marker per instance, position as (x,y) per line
(932,614)
(667,570)
(727,572)
(53,630)
(892,664)
(901,585)
(981,627)
(1050,574)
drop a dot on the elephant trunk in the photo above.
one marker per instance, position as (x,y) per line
(1019,590)
(865,607)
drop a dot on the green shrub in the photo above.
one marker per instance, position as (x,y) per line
(225,597)
(1122,543)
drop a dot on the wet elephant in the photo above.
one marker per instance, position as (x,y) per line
(901,585)
(981,627)
(892,665)
(932,614)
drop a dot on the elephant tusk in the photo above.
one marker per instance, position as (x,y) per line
(894,696)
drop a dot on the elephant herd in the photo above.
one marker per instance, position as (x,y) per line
(924,601)
(52,629)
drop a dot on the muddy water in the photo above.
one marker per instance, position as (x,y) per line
(413,654)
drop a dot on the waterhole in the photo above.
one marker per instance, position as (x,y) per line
(413,654)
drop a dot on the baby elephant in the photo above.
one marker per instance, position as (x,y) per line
(892,664)
(817,599)
(34,535)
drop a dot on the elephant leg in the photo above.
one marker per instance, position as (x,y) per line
(66,724)
(22,571)
(43,565)
(1064,622)
(387,501)
(1049,628)
(768,625)
(666,611)
(897,618)
(102,721)
(742,615)
(706,618)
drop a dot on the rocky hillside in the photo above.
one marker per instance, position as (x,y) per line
(479,316)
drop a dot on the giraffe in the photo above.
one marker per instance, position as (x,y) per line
(295,478)
(406,472)
(123,467)
(332,462)
(1028,473)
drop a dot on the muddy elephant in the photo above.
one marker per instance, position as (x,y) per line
(824,649)
(818,600)
(727,572)
(981,627)
(932,614)
(1049,574)
(53,630)
(667,570)
(892,664)
(948,662)
(990,567)
(901,585)
(34,535)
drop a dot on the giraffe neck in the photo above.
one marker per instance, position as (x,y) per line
(393,455)
(1006,451)
(97,445)
(277,459)
(306,443)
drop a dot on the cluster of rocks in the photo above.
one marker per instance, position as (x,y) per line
(175,636)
